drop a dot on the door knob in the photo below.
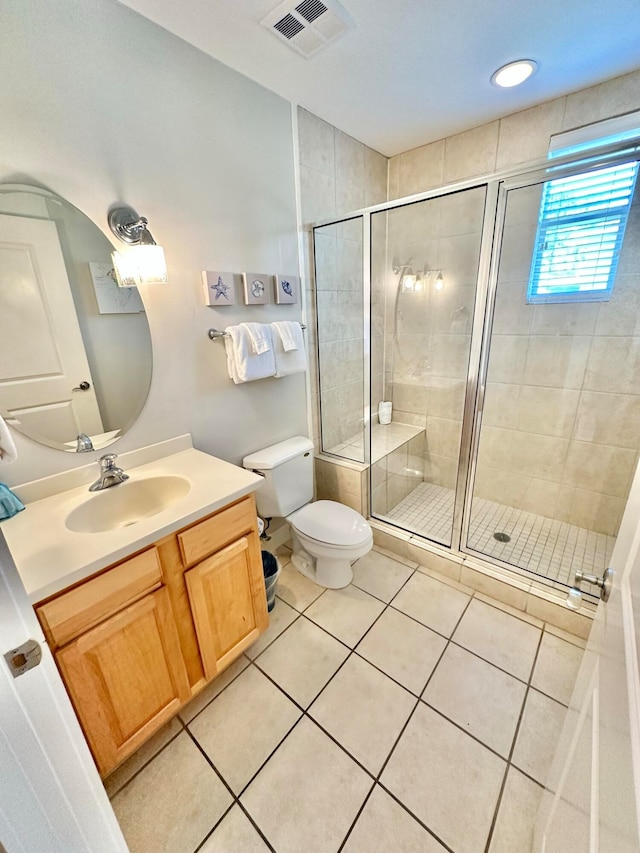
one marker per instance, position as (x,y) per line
(83,386)
(574,598)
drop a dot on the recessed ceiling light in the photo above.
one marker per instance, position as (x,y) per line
(514,73)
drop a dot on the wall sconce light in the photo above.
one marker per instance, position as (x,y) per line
(409,280)
(144,263)
(439,282)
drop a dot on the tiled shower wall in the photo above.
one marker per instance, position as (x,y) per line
(338,174)
(557,452)
(428,334)
(560,431)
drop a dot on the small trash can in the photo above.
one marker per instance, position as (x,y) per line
(271,570)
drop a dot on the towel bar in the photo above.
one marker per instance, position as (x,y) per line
(216,333)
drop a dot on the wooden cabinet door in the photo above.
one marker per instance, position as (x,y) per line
(228,602)
(126,677)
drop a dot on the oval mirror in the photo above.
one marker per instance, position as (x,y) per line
(75,349)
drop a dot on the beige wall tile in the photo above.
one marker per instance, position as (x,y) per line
(421,169)
(512,314)
(621,315)
(394,177)
(444,397)
(548,411)
(434,562)
(318,195)
(443,437)
(396,543)
(557,362)
(612,419)
(349,197)
(316,143)
(507,358)
(541,497)
(614,365)
(458,257)
(376,168)
(611,98)
(560,616)
(349,159)
(524,136)
(460,213)
(499,590)
(502,486)
(471,153)
(610,468)
(564,319)
(440,470)
(516,252)
(501,405)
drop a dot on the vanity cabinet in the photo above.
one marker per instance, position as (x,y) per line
(137,641)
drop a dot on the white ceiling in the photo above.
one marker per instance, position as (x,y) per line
(412,71)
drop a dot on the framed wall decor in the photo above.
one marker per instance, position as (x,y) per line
(256,288)
(112,299)
(287,289)
(219,288)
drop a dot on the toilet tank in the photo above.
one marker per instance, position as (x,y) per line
(288,476)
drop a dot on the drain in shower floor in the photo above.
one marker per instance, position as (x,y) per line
(502,537)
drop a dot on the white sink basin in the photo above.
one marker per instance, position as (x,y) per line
(127,503)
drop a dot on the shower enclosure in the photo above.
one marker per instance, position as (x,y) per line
(502,321)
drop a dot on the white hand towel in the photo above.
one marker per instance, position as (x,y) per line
(293,361)
(260,336)
(8,452)
(287,332)
(242,363)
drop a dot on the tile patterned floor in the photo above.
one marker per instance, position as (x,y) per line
(542,545)
(362,721)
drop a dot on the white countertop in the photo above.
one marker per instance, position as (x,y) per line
(50,557)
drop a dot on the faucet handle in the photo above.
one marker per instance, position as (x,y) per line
(107,461)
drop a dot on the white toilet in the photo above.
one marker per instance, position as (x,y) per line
(327,536)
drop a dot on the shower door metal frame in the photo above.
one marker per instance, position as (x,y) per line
(560,168)
(497,186)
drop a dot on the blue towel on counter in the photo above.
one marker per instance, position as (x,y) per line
(10,504)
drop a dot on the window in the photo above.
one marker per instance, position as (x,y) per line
(581,227)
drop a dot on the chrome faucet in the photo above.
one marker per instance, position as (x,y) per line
(84,443)
(110,475)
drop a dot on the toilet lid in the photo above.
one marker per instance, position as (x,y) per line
(331,522)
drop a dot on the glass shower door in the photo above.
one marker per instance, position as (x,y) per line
(558,440)
(338,254)
(424,270)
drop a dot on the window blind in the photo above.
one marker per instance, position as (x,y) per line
(580,232)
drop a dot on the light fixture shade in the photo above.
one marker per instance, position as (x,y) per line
(439,283)
(514,73)
(125,270)
(143,264)
(152,267)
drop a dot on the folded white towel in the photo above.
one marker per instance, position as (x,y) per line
(260,337)
(287,332)
(291,361)
(242,363)
(8,452)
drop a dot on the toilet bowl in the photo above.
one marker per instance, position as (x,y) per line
(327,538)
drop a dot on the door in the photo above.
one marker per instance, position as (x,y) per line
(592,801)
(51,797)
(228,603)
(126,677)
(38,379)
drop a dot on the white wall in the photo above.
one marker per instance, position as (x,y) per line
(100,105)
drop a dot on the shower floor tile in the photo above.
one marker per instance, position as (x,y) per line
(542,545)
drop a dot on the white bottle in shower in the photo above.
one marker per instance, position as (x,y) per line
(384,412)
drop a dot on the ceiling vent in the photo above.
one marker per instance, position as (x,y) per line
(310,25)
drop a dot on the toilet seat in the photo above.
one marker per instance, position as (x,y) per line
(331,523)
